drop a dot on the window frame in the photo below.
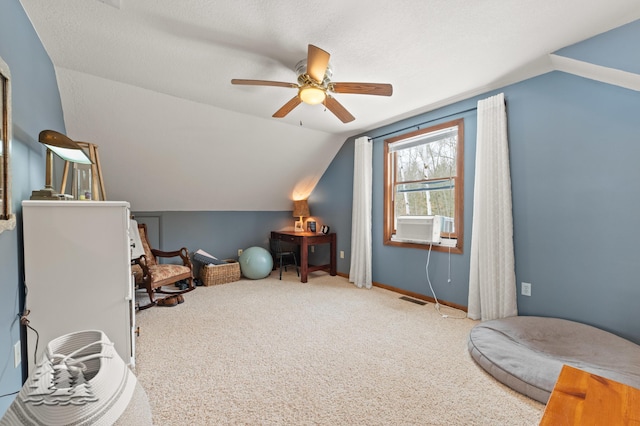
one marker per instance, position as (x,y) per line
(7,217)
(389,182)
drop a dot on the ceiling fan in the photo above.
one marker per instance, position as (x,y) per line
(315,86)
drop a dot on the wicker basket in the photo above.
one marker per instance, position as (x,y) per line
(220,274)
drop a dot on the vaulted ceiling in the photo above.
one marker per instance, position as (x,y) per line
(149,81)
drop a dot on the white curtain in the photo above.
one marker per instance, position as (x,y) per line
(492,280)
(360,270)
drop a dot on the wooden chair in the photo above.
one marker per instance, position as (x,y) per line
(152,276)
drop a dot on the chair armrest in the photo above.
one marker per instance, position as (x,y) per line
(142,262)
(183,253)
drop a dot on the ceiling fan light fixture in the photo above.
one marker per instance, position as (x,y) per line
(312,95)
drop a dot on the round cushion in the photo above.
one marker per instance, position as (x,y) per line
(256,263)
(527,353)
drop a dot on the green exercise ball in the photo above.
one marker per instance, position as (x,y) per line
(256,263)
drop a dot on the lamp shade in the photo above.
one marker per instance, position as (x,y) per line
(66,149)
(301,208)
(63,147)
(312,95)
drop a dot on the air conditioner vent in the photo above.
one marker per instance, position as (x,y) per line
(418,229)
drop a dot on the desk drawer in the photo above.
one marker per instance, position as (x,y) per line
(288,238)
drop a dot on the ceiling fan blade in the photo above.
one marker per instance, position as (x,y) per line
(338,110)
(263,83)
(317,62)
(288,107)
(381,89)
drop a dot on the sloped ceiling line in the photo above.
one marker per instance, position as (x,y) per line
(591,71)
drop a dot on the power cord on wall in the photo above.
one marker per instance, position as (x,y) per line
(9,355)
(437,305)
(25,321)
(10,394)
(449,276)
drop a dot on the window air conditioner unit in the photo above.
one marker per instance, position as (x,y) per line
(418,229)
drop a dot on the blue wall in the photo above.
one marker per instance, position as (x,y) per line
(610,49)
(575,190)
(574,164)
(36,106)
(218,233)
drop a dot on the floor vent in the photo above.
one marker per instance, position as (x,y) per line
(416,301)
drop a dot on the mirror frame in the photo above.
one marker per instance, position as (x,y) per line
(7,218)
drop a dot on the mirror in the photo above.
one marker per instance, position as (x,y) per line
(7,218)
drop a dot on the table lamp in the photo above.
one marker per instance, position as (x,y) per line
(300,209)
(66,149)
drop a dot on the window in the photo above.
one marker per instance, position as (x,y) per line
(424,188)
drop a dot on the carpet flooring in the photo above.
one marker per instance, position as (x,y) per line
(271,352)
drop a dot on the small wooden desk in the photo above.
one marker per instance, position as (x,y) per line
(582,398)
(304,240)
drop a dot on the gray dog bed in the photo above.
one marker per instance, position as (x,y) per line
(527,353)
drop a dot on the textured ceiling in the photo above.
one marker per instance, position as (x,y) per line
(149,81)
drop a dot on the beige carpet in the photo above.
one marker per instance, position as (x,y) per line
(270,352)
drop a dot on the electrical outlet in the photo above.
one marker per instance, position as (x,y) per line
(17,355)
(239,252)
(341,254)
(526,289)
(313,249)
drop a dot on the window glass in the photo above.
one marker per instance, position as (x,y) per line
(424,179)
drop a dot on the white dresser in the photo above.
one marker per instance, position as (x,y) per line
(77,258)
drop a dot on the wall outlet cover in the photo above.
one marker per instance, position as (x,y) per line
(17,355)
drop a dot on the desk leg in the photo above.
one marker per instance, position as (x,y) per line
(304,260)
(333,270)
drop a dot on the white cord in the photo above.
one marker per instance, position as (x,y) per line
(429,280)
(427,271)
(449,277)
(437,305)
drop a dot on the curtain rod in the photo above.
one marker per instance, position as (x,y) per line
(423,123)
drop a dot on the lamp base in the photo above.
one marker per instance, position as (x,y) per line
(48,194)
(298,226)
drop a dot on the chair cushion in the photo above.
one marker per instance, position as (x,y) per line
(151,259)
(164,271)
(160,272)
(136,270)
